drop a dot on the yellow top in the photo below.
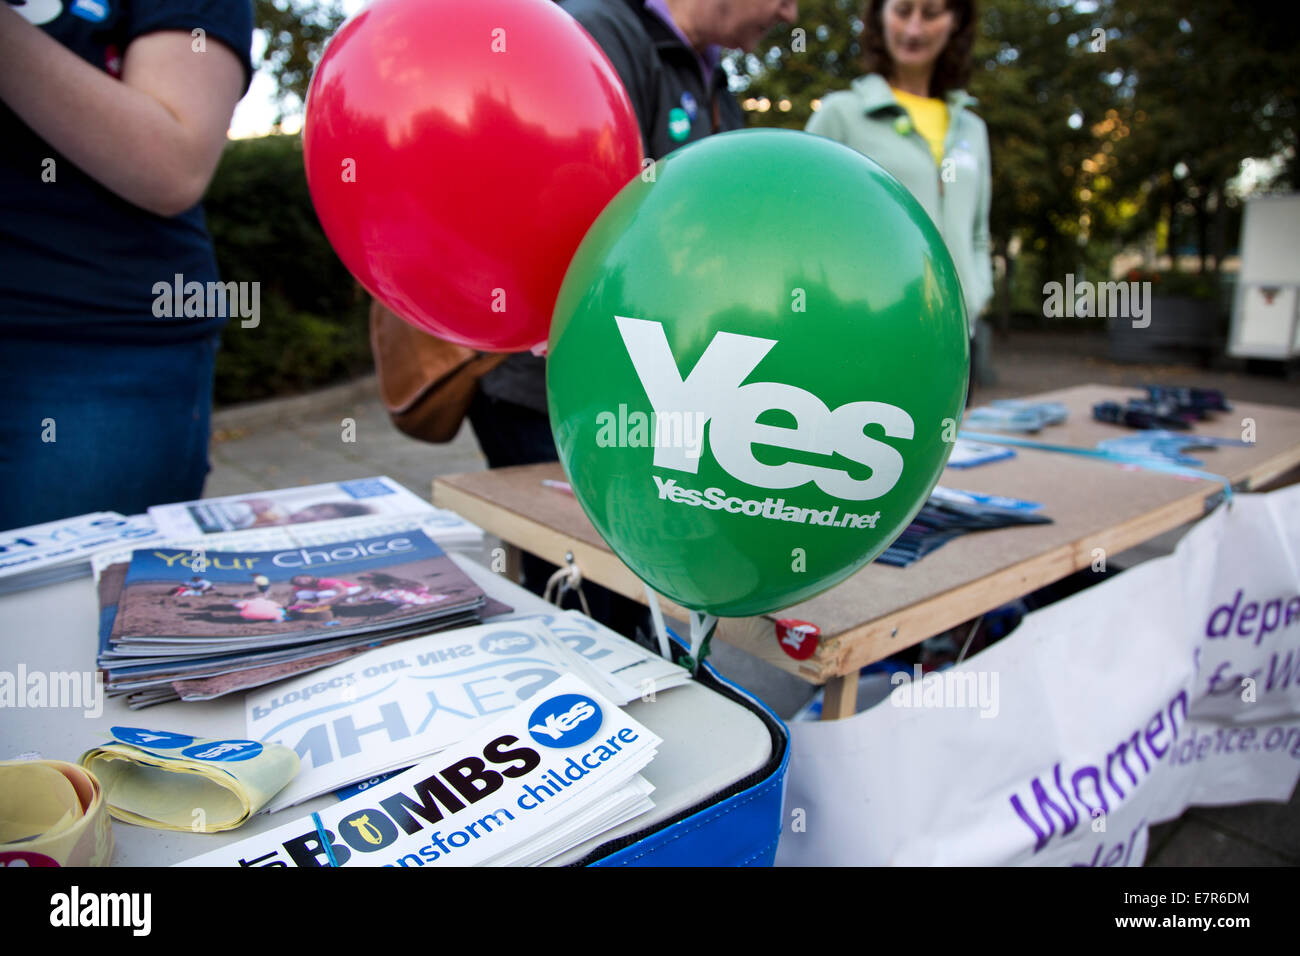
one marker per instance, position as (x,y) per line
(929,116)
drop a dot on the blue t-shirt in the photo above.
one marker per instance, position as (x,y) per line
(75,259)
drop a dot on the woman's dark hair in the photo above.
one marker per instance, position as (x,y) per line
(951,70)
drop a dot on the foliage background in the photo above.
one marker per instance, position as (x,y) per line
(1113,123)
(313,327)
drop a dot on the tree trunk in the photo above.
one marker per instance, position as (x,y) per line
(1202,229)
(1167,213)
(1220,232)
(1051,270)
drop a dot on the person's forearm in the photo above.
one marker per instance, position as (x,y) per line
(119,135)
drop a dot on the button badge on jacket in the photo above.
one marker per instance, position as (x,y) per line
(679,124)
(96,11)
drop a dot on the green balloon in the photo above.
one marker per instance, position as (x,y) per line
(755,369)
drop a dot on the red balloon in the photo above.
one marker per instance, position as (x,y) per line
(457,151)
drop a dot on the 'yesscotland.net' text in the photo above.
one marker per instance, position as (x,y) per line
(774,509)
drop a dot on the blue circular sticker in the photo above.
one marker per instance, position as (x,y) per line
(507,642)
(157,739)
(565,721)
(224,750)
(689,104)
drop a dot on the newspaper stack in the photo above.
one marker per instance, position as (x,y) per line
(1015,415)
(234,619)
(971,454)
(948,514)
(61,550)
(387,709)
(545,777)
(339,509)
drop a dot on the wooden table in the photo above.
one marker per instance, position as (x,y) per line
(1097,507)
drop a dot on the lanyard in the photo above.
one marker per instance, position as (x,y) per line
(1148,464)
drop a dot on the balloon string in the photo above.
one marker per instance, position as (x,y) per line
(702,629)
(657,616)
(567,579)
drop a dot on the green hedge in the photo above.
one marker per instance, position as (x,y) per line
(313,328)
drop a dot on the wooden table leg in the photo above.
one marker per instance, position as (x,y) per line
(840,697)
(514,562)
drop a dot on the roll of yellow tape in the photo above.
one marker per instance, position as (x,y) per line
(52,813)
(172,781)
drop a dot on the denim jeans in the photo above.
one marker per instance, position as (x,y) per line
(90,426)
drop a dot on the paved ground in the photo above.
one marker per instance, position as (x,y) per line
(304,440)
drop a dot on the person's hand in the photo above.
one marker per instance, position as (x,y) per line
(153,137)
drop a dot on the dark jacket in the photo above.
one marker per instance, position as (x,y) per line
(664,81)
(660,73)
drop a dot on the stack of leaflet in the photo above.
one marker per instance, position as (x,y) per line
(237,618)
(949,514)
(971,454)
(366,506)
(541,777)
(391,707)
(61,550)
(1015,415)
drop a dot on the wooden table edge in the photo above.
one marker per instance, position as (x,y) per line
(840,657)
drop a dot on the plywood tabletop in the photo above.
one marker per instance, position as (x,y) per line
(881,610)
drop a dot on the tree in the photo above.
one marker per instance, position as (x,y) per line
(1040,80)
(296,32)
(1109,120)
(1212,85)
(799,64)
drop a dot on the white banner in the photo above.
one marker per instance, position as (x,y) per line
(1171,684)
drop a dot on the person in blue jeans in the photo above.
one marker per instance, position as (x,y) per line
(113,115)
